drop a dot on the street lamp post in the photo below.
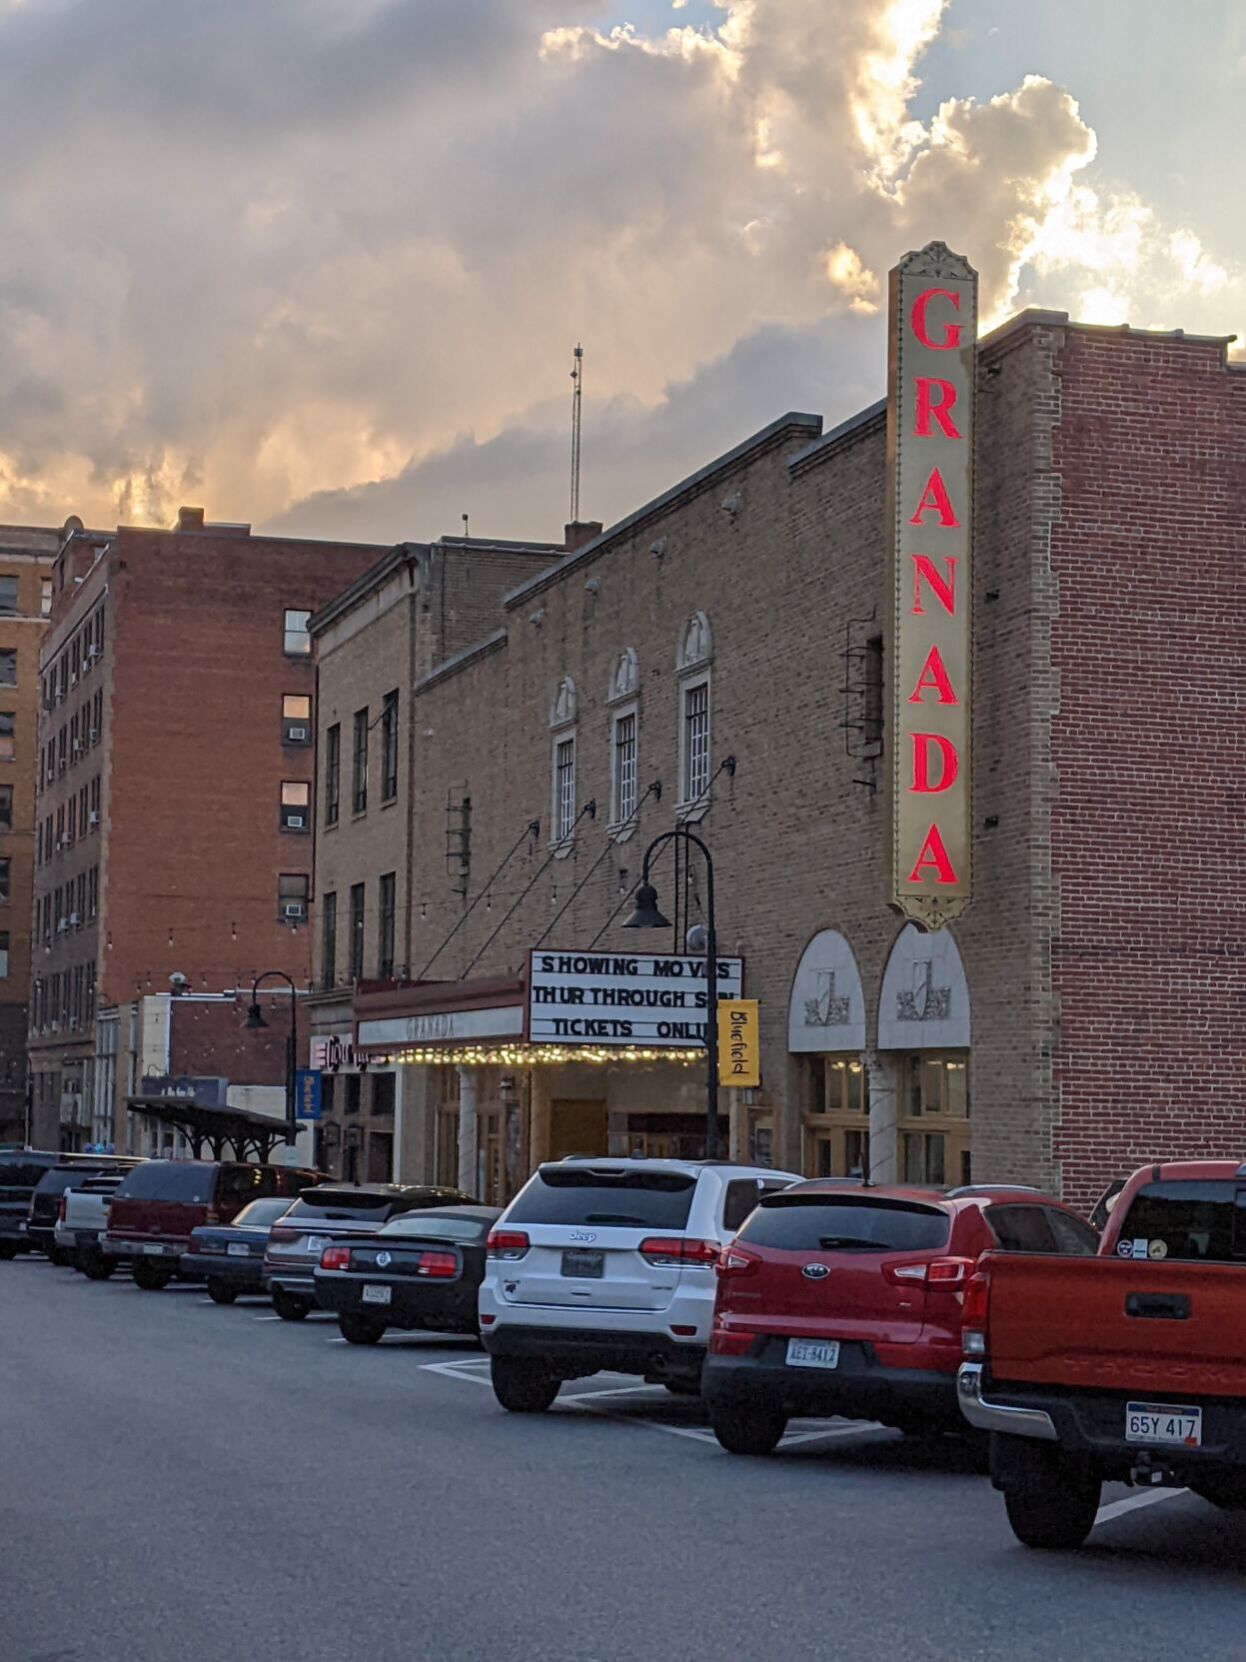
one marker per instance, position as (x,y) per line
(647,916)
(255,1021)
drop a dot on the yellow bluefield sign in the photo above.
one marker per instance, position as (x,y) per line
(739,1043)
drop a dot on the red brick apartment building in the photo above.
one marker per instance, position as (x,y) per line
(1088,1009)
(173,814)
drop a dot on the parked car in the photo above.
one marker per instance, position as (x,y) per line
(161,1202)
(834,1301)
(230,1256)
(81,1221)
(601,1263)
(21,1170)
(329,1213)
(69,1173)
(422,1270)
(1127,1369)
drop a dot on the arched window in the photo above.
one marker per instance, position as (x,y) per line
(562,717)
(621,695)
(692,663)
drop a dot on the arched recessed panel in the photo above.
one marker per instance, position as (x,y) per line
(563,709)
(827,1007)
(696,644)
(925,997)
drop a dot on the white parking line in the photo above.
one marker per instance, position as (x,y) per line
(1131,1503)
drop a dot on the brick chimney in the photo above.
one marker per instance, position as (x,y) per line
(579,532)
(190,519)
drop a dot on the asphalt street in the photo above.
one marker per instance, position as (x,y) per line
(185,1483)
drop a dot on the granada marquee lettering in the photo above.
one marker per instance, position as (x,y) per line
(930,399)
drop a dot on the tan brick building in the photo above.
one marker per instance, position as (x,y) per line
(717,657)
(26,556)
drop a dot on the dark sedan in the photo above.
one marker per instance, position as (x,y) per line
(230,1256)
(422,1270)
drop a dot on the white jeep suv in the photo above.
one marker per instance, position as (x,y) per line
(602,1263)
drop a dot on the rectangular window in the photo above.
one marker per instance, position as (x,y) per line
(71,819)
(6,735)
(296,719)
(292,890)
(75,660)
(45,597)
(62,750)
(295,805)
(328,939)
(297,641)
(356,931)
(4,955)
(8,666)
(385,927)
(95,803)
(82,811)
(97,717)
(359,794)
(332,773)
(80,903)
(354,1090)
(6,807)
(75,742)
(60,826)
(93,892)
(696,741)
(389,747)
(623,777)
(5,867)
(383,1094)
(564,788)
(8,597)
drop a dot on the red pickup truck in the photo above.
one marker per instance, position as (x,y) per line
(1127,1367)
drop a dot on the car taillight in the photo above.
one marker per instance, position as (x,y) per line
(943,1273)
(733,1260)
(507,1243)
(441,1266)
(60,1210)
(730,1341)
(211,1217)
(283,1234)
(334,1258)
(672,1253)
(977,1306)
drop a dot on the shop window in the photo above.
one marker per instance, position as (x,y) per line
(296,719)
(297,641)
(359,792)
(332,773)
(8,597)
(389,747)
(355,945)
(836,1117)
(292,891)
(295,805)
(383,1095)
(6,735)
(328,938)
(385,927)
(934,1124)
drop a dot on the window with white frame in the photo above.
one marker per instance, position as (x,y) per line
(562,717)
(621,696)
(693,665)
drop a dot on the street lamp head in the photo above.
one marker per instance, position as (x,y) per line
(646,915)
(255,1019)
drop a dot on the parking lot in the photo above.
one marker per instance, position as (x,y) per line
(189,1483)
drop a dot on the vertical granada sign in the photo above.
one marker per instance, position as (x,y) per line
(930,397)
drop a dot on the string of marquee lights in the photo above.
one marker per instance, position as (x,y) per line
(655,791)
(526,1056)
(532,829)
(590,810)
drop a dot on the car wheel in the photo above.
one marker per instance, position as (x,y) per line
(1055,1513)
(152,1278)
(360,1330)
(522,1387)
(289,1307)
(1229,1495)
(59,1257)
(752,1430)
(220,1292)
(7,1251)
(95,1266)
(682,1387)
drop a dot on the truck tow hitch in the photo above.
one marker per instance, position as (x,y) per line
(1145,1474)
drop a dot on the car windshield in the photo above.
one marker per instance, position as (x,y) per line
(18,1173)
(263,1212)
(809,1222)
(188,1181)
(60,1178)
(340,1203)
(597,1194)
(432,1227)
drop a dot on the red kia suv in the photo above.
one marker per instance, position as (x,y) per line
(835,1300)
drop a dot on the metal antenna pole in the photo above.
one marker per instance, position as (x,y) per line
(577,380)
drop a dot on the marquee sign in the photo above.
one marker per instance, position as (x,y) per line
(623,998)
(930,400)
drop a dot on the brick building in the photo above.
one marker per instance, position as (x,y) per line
(174,805)
(725,643)
(27,553)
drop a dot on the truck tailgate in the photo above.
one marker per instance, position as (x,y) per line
(1149,1328)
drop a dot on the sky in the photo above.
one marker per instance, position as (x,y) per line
(320,265)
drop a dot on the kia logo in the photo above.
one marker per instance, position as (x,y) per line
(816,1272)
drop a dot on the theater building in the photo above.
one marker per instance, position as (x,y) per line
(1045,983)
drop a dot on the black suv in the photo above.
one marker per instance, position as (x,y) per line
(45,1201)
(21,1172)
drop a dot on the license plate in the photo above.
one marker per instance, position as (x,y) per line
(316,1243)
(237,1249)
(377,1295)
(153,1249)
(587,1266)
(1163,1422)
(813,1353)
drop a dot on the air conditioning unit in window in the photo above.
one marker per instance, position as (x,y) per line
(296,822)
(93,818)
(299,733)
(92,652)
(73,920)
(294,911)
(94,736)
(56,1027)
(77,747)
(62,925)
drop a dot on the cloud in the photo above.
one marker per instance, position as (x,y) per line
(317,259)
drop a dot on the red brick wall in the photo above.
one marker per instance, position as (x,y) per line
(209,1040)
(1149,822)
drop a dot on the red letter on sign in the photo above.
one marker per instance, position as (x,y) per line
(935,500)
(933,675)
(943,588)
(933,854)
(921,762)
(951,331)
(940,409)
